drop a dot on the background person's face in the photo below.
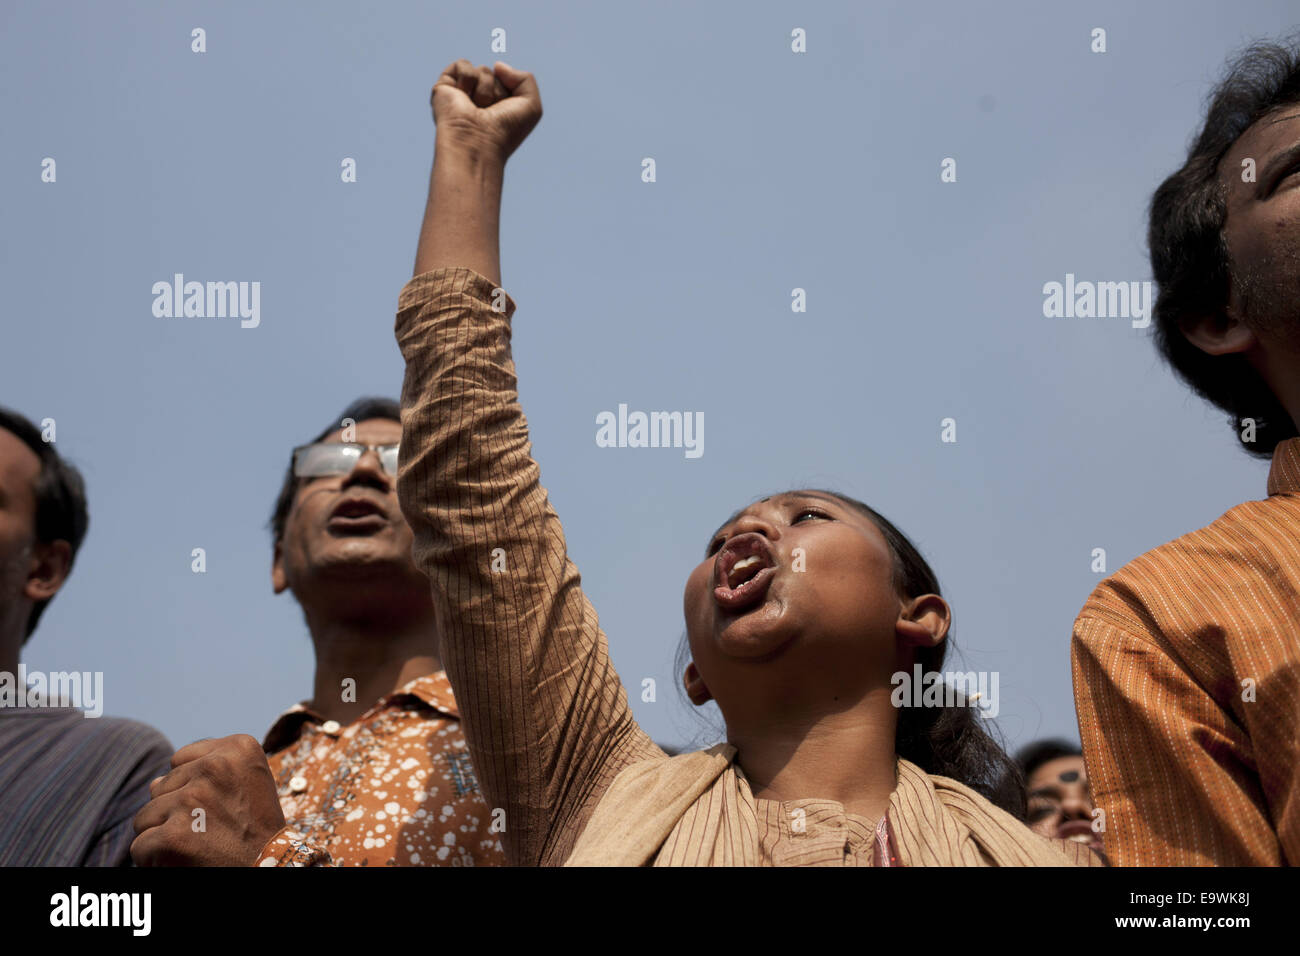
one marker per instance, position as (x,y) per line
(1060,804)
(347,523)
(825,612)
(19,471)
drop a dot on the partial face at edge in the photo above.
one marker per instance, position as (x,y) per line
(1262,227)
(1060,802)
(28,569)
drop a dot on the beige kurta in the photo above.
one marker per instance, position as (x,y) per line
(561,761)
(697,810)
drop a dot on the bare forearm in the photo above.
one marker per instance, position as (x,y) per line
(463,214)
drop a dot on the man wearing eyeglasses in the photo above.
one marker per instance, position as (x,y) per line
(373,770)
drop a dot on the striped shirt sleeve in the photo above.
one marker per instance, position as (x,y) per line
(545,714)
(1167,764)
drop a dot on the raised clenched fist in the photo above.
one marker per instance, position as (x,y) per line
(490,109)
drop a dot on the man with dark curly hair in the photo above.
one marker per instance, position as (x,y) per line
(1187,661)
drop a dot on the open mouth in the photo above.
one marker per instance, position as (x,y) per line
(357,514)
(1080,831)
(742,572)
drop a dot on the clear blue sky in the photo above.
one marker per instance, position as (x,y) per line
(775,171)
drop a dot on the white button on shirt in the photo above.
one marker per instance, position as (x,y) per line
(298,784)
(330,726)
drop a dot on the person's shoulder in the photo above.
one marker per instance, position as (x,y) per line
(1186,589)
(133,730)
(95,748)
(1246,545)
(117,734)
(1003,838)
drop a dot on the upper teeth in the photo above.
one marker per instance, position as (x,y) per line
(741,565)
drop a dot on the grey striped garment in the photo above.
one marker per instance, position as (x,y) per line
(70,785)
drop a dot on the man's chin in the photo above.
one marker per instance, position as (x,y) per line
(361,556)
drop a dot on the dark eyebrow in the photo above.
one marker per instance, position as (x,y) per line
(817,494)
(791,494)
(1277,163)
(1047,791)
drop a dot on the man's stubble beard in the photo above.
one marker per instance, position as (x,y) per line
(1269,293)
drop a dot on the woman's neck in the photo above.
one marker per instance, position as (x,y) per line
(847,756)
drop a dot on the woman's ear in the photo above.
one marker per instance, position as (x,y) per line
(923,621)
(695,686)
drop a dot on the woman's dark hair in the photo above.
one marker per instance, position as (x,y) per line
(1032,756)
(1189,256)
(944,741)
(359,411)
(60,497)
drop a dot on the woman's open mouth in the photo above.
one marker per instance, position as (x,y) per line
(743,572)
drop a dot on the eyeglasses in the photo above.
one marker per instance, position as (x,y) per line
(339,458)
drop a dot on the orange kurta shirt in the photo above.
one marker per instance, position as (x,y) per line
(1187,683)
